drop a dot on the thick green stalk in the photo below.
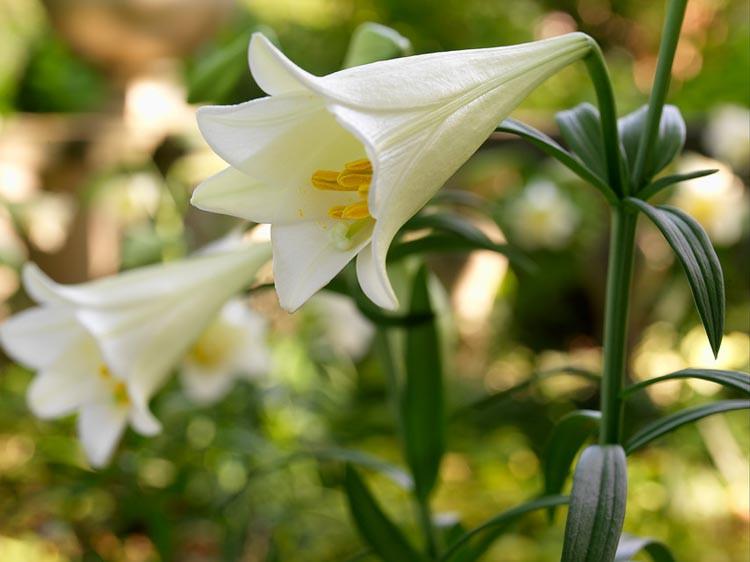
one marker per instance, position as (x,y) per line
(619,275)
(428,529)
(670,37)
(608,115)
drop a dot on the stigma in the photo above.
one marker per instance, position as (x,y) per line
(354,178)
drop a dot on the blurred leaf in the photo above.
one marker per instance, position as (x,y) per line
(501,521)
(669,142)
(597,505)
(215,76)
(360,458)
(670,423)
(662,183)
(422,408)
(699,260)
(379,532)
(550,147)
(569,435)
(457,233)
(581,130)
(373,42)
(630,546)
(730,379)
(499,397)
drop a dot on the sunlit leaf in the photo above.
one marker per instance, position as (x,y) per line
(422,407)
(360,458)
(567,438)
(630,546)
(597,505)
(372,42)
(730,379)
(378,531)
(670,423)
(699,260)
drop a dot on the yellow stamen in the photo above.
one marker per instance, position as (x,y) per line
(326,180)
(104,371)
(336,212)
(352,180)
(121,393)
(358,210)
(364,190)
(362,165)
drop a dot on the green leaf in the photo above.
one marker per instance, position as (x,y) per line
(422,408)
(664,182)
(630,546)
(455,233)
(597,505)
(669,142)
(699,260)
(379,532)
(581,130)
(499,522)
(372,42)
(214,76)
(567,438)
(730,379)
(550,147)
(670,423)
(360,458)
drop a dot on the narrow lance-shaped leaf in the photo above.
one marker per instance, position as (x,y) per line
(669,143)
(662,183)
(567,438)
(670,423)
(597,505)
(385,539)
(699,260)
(372,42)
(422,398)
(550,147)
(581,130)
(630,546)
(730,379)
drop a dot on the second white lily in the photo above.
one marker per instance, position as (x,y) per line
(337,164)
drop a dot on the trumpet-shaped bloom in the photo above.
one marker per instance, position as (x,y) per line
(104,347)
(233,346)
(337,164)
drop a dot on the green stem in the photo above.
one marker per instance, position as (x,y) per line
(670,37)
(605,96)
(619,274)
(428,529)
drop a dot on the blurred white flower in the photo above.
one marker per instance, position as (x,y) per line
(542,217)
(337,164)
(47,219)
(72,376)
(717,201)
(343,325)
(106,346)
(727,136)
(232,347)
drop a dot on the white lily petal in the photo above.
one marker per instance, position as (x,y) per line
(206,386)
(37,337)
(143,421)
(306,258)
(252,358)
(375,282)
(100,427)
(52,393)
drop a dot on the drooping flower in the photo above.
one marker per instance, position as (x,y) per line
(542,217)
(232,347)
(337,164)
(105,347)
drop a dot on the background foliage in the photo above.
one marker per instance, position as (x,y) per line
(98,155)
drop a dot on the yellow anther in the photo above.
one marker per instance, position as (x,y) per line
(364,190)
(353,180)
(336,212)
(104,371)
(362,165)
(121,393)
(326,180)
(358,210)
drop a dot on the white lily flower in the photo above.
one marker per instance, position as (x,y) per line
(73,376)
(337,164)
(232,347)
